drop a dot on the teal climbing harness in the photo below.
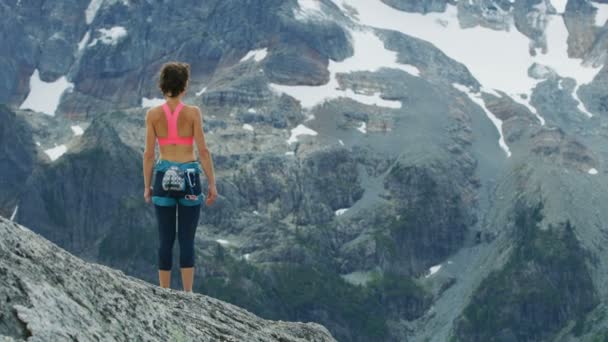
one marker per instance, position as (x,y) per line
(177,182)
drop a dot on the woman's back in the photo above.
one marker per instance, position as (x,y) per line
(185,128)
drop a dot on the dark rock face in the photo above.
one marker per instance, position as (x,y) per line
(79,200)
(487,13)
(518,123)
(555,145)
(48,294)
(17,158)
(239,86)
(324,182)
(418,6)
(594,94)
(431,220)
(34,46)
(531,19)
(301,66)
(110,76)
(581,31)
(597,56)
(432,62)
(332,173)
(326,37)
(544,284)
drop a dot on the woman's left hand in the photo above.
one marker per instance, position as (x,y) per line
(148,195)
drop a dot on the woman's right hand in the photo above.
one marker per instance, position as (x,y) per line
(211,195)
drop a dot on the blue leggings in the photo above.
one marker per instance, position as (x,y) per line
(187,222)
(175,204)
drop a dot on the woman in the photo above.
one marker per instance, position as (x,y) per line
(177,185)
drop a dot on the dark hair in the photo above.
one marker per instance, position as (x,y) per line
(173,78)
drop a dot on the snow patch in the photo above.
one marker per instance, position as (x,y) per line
(14,213)
(509,49)
(77,130)
(461,87)
(199,93)
(56,152)
(592,171)
(155,101)
(602,13)
(110,36)
(433,270)
(309,117)
(45,96)
(341,211)
(222,241)
(372,99)
(341,142)
(91,10)
(476,97)
(363,127)
(560,5)
(490,91)
(246,256)
(520,100)
(411,69)
(37,143)
(84,40)
(290,153)
(299,130)
(248,127)
(257,55)
(308,9)
(581,106)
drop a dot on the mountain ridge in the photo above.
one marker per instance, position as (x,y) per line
(47,294)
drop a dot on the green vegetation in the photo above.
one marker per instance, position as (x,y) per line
(295,292)
(600,337)
(544,284)
(385,243)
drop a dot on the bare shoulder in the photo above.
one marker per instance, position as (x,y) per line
(153,113)
(194,111)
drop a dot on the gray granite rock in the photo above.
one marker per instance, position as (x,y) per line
(47,294)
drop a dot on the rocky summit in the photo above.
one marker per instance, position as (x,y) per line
(47,294)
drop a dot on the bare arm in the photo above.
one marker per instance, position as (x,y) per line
(203,151)
(149,152)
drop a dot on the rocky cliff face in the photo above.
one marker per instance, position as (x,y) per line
(48,294)
(18,158)
(368,159)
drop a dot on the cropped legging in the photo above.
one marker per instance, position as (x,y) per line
(181,205)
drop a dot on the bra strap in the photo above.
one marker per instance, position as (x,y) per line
(172,118)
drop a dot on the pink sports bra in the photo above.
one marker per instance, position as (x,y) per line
(172,136)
